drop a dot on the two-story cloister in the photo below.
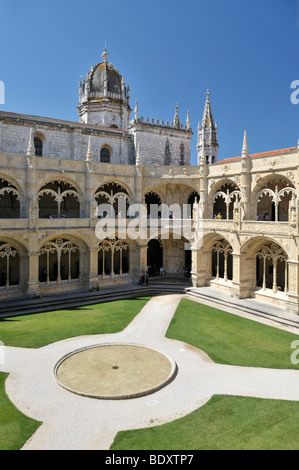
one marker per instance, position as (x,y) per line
(232,224)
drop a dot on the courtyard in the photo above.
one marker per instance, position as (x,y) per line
(235,385)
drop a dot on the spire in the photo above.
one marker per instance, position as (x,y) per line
(207,134)
(89,155)
(188,120)
(245,151)
(136,111)
(207,118)
(123,87)
(31,148)
(176,119)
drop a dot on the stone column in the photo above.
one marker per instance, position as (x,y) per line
(201,266)
(245,178)
(89,183)
(241,282)
(91,269)
(142,258)
(31,283)
(293,287)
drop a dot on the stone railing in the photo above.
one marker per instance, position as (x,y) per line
(61,223)
(14,224)
(248,226)
(265,227)
(206,225)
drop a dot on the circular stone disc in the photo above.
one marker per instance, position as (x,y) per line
(114,371)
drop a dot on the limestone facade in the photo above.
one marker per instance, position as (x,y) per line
(54,176)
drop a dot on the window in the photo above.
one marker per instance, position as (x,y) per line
(105,155)
(38,145)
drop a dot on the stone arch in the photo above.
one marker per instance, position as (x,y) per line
(223,198)
(221,257)
(210,238)
(266,261)
(219,183)
(152,200)
(271,197)
(12,199)
(64,179)
(113,258)
(115,195)
(10,207)
(249,246)
(12,257)
(118,182)
(59,198)
(60,259)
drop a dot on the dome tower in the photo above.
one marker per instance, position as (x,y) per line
(104,97)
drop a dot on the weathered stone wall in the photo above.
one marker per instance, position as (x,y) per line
(64,141)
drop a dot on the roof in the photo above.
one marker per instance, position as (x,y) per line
(262,154)
(58,122)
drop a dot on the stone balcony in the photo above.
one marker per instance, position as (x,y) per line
(207,225)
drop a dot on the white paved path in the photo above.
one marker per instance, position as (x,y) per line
(74,422)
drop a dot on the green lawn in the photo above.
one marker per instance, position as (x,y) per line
(37,330)
(230,339)
(226,422)
(15,427)
(223,423)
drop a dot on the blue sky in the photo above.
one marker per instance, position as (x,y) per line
(169,51)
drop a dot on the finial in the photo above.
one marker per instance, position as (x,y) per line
(136,110)
(89,155)
(138,157)
(31,148)
(105,53)
(188,120)
(176,119)
(245,151)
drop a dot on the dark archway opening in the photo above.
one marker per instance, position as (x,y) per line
(154,257)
